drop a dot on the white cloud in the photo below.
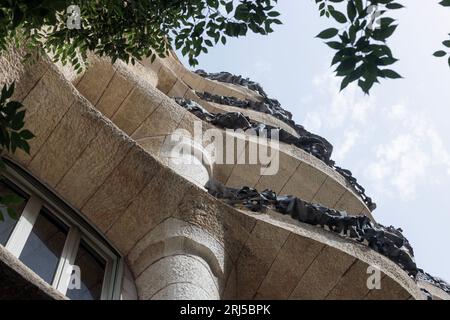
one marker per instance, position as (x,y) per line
(346,106)
(397,148)
(260,68)
(397,112)
(313,121)
(350,139)
(416,155)
(397,166)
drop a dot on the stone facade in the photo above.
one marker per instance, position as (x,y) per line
(101,146)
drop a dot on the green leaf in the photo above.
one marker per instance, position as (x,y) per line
(7,92)
(328,33)
(351,10)
(388,73)
(12,213)
(273,14)
(17,17)
(386,21)
(365,85)
(338,16)
(335,45)
(15,141)
(383,33)
(440,53)
(394,6)
(13,106)
(229,6)
(25,146)
(387,61)
(359,6)
(26,134)
(445,3)
(242,12)
(213,3)
(446,43)
(10,91)
(17,122)
(347,65)
(345,82)
(11,199)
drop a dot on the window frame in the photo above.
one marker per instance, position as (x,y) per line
(79,229)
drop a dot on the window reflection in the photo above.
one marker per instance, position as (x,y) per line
(8,224)
(44,246)
(92,269)
(40,240)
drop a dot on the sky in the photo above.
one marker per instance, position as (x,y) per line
(395,141)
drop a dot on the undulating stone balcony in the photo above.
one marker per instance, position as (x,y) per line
(100,145)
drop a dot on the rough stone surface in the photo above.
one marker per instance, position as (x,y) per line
(391,291)
(174,236)
(329,194)
(308,178)
(353,284)
(288,166)
(388,241)
(322,275)
(56,156)
(217,251)
(20,283)
(162,121)
(177,269)
(138,105)
(291,263)
(46,104)
(157,201)
(109,201)
(129,291)
(166,80)
(256,258)
(115,93)
(96,79)
(92,167)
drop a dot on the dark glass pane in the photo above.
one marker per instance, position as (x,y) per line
(44,246)
(92,269)
(7,226)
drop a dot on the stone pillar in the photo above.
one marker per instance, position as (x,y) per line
(187,157)
(177,260)
(182,277)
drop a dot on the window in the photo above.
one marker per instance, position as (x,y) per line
(92,276)
(9,222)
(43,248)
(55,242)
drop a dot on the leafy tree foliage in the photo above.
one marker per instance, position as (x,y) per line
(12,114)
(120,29)
(362,53)
(446,43)
(12,137)
(133,29)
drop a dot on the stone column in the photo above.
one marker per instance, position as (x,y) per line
(177,260)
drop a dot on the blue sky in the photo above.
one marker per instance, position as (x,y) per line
(396,141)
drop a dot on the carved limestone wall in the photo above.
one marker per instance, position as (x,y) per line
(99,147)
